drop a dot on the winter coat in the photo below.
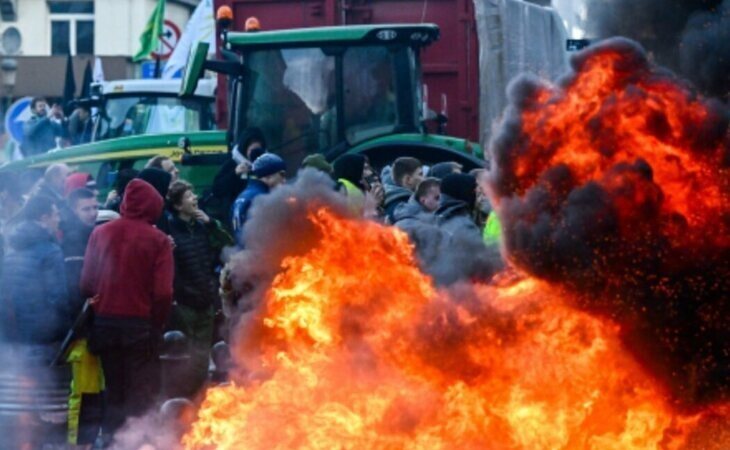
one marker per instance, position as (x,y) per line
(129,263)
(394,197)
(196,258)
(239,211)
(34,295)
(39,135)
(455,217)
(75,238)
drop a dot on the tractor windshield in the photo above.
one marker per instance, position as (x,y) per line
(292,95)
(134,115)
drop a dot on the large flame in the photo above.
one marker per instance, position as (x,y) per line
(353,348)
(615,184)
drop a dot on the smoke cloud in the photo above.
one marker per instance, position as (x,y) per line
(689,36)
(614,185)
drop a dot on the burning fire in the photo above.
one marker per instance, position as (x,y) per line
(615,185)
(354,348)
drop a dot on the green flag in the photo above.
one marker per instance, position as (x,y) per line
(150,38)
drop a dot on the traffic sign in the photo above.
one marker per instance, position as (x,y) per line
(168,40)
(17,114)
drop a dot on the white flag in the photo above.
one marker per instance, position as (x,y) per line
(200,27)
(98,70)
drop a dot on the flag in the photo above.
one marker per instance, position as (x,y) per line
(150,38)
(98,70)
(200,27)
(69,85)
(88,79)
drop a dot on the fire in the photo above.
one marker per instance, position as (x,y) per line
(615,184)
(354,348)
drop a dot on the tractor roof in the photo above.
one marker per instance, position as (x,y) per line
(418,34)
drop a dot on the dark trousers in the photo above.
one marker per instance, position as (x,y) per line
(130,360)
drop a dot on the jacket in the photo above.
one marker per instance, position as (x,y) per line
(455,217)
(239,211)
(39,135)
(75,238)
(34,295)
(195,283)
(129,263)
(394,196)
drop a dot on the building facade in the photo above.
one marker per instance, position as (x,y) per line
(39,34)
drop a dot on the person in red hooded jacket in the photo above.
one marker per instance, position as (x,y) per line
(128,271)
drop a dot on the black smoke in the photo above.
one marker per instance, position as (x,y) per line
(688,36)
(610,240)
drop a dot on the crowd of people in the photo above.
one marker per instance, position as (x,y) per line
(149,260)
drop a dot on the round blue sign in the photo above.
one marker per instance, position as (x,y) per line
(16,115)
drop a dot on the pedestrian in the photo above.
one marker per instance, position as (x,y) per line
(233,175)
(349,172)
(80,125)
(269,171)
(458,199)
(160,180)
(442,169)
(421,206)
(34,289)
(318,161)
(42,129)
(164,163)
(128,271)
(198,243)
(85,396)
(407,174)
(53,184)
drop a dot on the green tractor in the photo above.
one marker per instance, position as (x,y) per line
(332,90)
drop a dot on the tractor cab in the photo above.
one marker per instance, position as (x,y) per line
(331,90)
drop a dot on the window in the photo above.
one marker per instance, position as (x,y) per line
(72,27)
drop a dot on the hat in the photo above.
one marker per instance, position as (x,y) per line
(350,167)
(460,186)
(319,162)
(268,164)
(443,169)
(77,181)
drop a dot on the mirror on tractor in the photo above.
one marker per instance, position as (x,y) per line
(184,144)
(194,68)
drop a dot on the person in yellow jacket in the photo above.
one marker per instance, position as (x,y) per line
(84,402)
(492,233)
(360,185)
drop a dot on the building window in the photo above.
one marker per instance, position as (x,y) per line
(72,27)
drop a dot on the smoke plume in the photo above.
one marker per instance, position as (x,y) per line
(614,184)
(690,36)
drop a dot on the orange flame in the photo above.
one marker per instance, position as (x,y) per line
(354,348)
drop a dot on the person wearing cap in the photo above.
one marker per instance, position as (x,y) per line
(78,180)
(269,171)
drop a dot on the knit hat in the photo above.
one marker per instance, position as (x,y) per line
(443,169)
(460,186)
(158,178)
(350,167)
(319,162)
(268,164)
(77,181)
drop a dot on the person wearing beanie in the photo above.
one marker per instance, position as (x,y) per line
(269,171)
(440,170)
(349,173)
(319,162)
(458,197)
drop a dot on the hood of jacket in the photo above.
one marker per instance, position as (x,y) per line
(408,210)
(141,202)
(451,207)
(396,193)
(350,167)
(159,179)
(28,233)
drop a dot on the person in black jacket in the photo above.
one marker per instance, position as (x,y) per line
(232,177)
(198,241)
